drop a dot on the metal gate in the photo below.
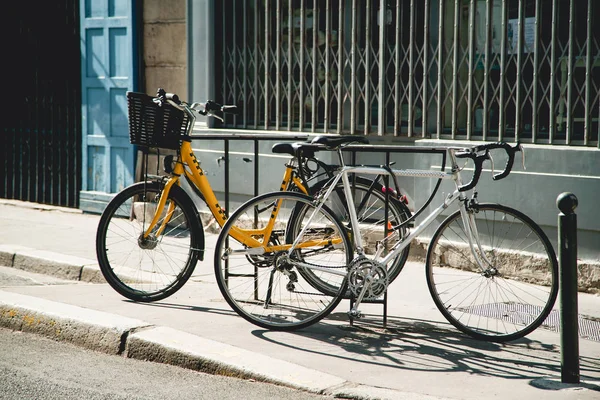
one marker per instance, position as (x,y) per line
(524,70)
(40,143)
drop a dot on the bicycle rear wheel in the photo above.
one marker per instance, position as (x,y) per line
(267,288)
(509,298)
(377,223)
(152,268)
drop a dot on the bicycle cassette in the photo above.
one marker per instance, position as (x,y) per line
(372,273)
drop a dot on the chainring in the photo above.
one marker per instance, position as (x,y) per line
(364,271)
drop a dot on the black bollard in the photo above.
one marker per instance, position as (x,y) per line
(567,264)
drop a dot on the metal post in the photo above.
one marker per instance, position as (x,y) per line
(567,258)
(226,159)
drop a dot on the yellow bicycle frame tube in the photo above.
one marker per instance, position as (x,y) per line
(197,176)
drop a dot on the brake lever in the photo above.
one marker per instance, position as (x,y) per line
(216,116)
(491,162)
(202,109)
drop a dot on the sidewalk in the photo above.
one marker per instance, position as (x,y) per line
(418,356)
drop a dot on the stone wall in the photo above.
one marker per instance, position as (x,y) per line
(165,46)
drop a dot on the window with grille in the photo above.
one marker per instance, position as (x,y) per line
(524,70)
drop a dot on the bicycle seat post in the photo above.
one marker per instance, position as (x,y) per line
(340,156)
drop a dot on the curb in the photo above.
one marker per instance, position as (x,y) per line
(132,338)
(50,263)
(170,346)
(39,206)
(91,329)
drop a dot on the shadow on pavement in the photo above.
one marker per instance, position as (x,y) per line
(175,306)
(418,345)
(422,345)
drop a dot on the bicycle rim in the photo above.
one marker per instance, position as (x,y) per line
(148,269)
(513,295)
(268,289)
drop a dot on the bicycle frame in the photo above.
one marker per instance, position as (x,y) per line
(196,175)
(454,174)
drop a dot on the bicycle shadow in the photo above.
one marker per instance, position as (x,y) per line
(186,307)
(422,345)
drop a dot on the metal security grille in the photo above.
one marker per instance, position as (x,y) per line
(40,127)
(524,70)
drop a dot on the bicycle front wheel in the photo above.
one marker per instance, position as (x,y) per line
(259,275)
(513,290)
(152,268)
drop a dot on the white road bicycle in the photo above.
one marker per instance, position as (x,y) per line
(491,270)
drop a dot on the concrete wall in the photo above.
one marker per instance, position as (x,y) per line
(165,46)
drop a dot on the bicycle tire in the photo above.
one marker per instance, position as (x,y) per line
(514,295)
(267,289)
(153,269)
(370,201)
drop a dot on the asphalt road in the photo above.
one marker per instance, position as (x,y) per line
(33,367)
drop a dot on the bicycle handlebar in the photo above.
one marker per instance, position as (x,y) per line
(475,154)
(209,108)
(163,96)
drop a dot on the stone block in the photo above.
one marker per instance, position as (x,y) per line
(157,10)
(49,263)
(91,329)
(165,44)
(170,78)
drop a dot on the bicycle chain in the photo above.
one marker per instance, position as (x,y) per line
(309,293)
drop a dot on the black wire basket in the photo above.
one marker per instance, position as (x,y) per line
(151,125)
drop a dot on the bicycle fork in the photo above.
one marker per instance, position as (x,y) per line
(159,210)
(178,170)
(467,212)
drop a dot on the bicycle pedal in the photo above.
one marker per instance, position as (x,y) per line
(355,314)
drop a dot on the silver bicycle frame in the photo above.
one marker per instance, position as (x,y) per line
(454,174)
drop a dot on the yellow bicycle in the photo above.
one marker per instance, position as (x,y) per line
(150,236)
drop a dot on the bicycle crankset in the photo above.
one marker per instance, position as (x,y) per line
(373,274)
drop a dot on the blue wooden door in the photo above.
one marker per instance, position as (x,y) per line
(108,71)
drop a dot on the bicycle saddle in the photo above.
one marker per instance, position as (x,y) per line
(297,149)
(336,141)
